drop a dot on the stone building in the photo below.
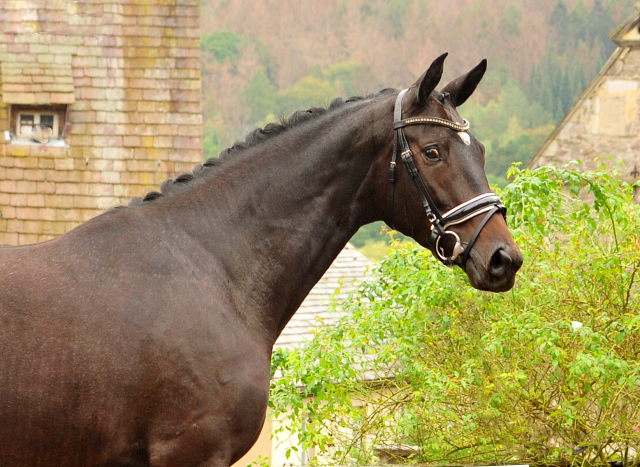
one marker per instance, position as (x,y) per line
(605,120)
(100,101)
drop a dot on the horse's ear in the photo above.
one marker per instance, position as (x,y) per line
(462,87)
(429,80)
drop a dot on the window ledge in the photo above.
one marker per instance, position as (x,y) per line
(54,143)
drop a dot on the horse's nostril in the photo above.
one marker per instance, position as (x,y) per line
(500,262)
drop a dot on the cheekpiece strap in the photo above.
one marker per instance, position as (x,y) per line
(397,115)
(400,142)
(397,111)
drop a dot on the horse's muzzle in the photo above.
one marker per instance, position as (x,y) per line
(499,273)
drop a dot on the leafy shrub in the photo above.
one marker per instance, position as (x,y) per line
(428,368)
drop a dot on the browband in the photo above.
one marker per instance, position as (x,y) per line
(434,121)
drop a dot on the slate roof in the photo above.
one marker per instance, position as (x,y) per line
(348,269)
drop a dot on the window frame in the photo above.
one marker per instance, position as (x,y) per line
(37,121)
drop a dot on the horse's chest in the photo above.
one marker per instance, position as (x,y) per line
(222,398)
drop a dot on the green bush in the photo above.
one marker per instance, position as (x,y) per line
(547,373)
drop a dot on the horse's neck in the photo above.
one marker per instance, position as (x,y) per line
(290,206)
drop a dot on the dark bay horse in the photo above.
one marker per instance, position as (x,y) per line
(143,337)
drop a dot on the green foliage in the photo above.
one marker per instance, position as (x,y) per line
(310,91)
(547,373)
(368,233)
(393,12)
(318,89)
(581,47)
(212,141)
(396,12)
(518,147)
(368,8)
(224,44)
(260,462)
(375,251)
(511,101)
(509,124)
(374,240)
(264,56)
(510,24)
(341,8)
(341,74)
(556,83)
(559,16)
(260,96)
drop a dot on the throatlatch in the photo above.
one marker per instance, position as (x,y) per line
(487,203)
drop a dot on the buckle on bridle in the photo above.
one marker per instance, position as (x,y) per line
(458,249)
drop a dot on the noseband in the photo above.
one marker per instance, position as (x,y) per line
(487,203)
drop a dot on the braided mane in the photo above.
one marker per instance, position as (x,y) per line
(256,137)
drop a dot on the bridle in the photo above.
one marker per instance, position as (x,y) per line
(487,203)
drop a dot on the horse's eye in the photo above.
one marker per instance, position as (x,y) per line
(431,154)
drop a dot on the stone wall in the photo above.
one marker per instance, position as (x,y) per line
(604,125)
(127,74)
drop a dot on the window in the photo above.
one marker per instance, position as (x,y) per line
(37,124)
(25,124)
(40,126)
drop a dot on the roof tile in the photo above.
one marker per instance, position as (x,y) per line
(15,72)
(348,269)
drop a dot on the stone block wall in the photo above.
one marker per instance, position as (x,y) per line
(127,75)
(604,125)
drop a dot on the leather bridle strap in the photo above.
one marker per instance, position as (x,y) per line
(397,115)
(407,157)
(487,203)
(474,237)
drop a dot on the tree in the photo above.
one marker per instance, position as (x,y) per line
(559,22)
(396,13)
(510,23)
(548,373)
(260,96)
(224,44)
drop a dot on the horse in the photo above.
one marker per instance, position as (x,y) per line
(143,337)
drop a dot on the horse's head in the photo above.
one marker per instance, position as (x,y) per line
(443,199)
